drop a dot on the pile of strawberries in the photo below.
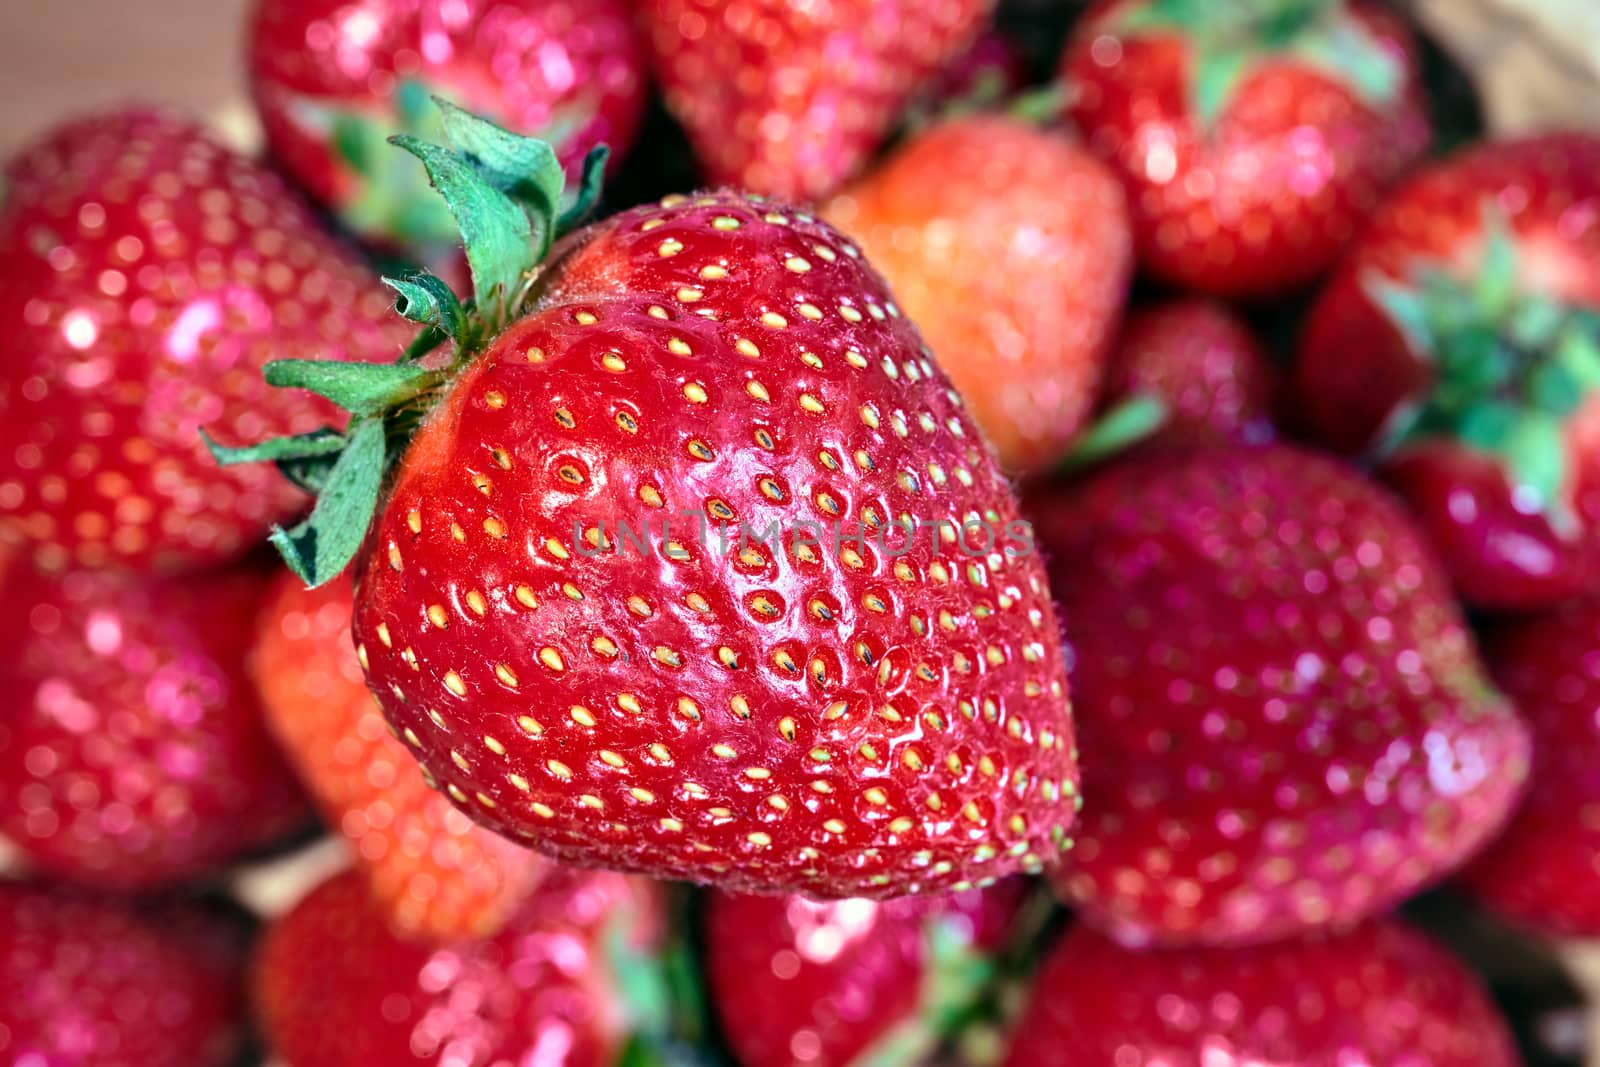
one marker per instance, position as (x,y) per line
(911,537)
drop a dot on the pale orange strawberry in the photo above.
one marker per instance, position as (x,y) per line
(431,870)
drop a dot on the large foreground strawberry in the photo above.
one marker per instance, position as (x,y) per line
(431,870)
(1254,136)
(1008,246)
(804,983)
(146,275)
(1460,346)
(789,99)
(90,981)
(648,588)
(1290,725)
(1383,996)
(132,750)
(1544,871)
(334,78)
(569,983)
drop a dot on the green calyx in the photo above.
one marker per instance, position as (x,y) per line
(508,198)
(1231,40)
(1510,368)
(955,977)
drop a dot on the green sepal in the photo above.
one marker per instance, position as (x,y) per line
(496,232)
(321,547)
(587,196)
(324,442)
(1231,40)
(1508,368)
(1041,106)
(359,388)
(310,473)
(524,168)
(425,299)
(1125,425)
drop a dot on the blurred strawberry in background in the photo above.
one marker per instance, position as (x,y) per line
(146,276)
(91,981)
(431,870)
(1204,364)
(802,983)
(1543,872)
(790,100)
(1289,725)
(1383,994)
(1253,136)
(133,754)
(333,79)
(572,981)
(1008,245)
(1460,346)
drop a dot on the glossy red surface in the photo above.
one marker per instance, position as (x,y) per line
(146,275)
(762,716)
(1264,199)
(788,99)
(805,983)
(1355,370)
(133,753)
(92,981)
(569,71)
(1543,871)
(1383,996)
(1289,722)
(431,870)
(333,987)
(1202,361)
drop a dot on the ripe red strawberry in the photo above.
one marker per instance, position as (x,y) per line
(604,601)
(1290,725)
(1544,872)
(133,752)
(96,982)
(431,870)
(789,100)
(1204,364)
(1382,995)
(334,78)
(146,275)
(1461,345)
(802,983)
(568,983)
(1008,246)
(1253,136)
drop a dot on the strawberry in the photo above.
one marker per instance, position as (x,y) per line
(1253,136)
(1290,723)
(431,870)
(1383,995)
(604,600)
(133,754)
(789,100)
(1204,364)
(566,984)
(334,78)
(1544,872)
(96,982)
(146,275)
(1460,347)
(802,983)
(1008,246)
